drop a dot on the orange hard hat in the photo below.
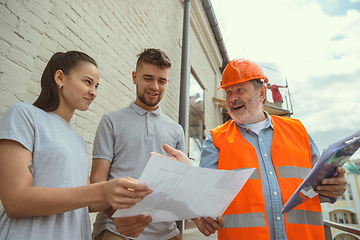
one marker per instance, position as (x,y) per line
(241,70)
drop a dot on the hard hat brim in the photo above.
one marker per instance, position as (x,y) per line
(240,81)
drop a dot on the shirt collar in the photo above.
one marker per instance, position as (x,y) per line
(141,111)
(269,123)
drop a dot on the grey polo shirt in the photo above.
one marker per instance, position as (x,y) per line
(125,137)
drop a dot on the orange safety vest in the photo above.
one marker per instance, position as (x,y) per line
(246,218)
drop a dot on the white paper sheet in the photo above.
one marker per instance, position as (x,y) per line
(184,192)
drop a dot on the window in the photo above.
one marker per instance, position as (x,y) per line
(358,167)
(350,192)
(353,218)
(345,237)
(341,218)
(196,120)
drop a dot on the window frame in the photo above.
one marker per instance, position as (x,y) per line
(193,105)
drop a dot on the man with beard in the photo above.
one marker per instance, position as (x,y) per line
(282,153)
(125,138)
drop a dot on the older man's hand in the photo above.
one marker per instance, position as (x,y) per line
(208,226)
(334,186)
(132,226)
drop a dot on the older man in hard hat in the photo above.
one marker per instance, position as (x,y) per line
(280,149)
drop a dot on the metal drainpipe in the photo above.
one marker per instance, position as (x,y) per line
(184,78)
(185,50)
(184,61)
(184,65)
(216,30)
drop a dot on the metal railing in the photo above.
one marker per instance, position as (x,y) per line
(328,225)
(285,92)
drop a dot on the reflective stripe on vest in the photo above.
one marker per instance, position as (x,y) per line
(293,172)
(305,217)
(244,220)
(254,175)
(258,219)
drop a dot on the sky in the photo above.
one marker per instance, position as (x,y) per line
(314,45)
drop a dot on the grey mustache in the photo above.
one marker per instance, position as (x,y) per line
(236,103)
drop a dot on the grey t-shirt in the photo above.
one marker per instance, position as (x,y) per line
(125,137)
(60,161)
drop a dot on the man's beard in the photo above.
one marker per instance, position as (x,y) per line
(249,114)
(146,101)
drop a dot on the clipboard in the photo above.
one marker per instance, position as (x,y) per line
(336,155)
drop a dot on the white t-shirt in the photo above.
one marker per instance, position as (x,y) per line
(59,160)
(257,127)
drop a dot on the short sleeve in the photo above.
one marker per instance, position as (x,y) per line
(209,154)
(181,141)
(18,124)
(104,140)
(315,154)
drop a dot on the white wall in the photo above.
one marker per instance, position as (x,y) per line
(113,33)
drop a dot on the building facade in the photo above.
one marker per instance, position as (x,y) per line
(346,210)
(113,33)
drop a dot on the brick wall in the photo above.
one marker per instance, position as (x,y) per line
(113,33)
